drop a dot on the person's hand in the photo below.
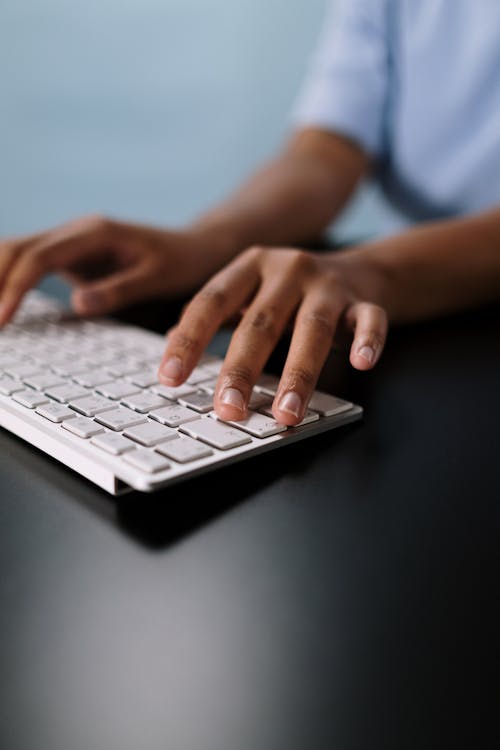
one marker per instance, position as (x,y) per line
(272,289)
(109,263)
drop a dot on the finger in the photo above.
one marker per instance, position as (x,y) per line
(8,255)
(20,274)
(310,345)
(252,343)
(370,325)
(51,252)
(10,250)
(115,291)
(218,299)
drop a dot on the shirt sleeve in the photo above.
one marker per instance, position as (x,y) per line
(346,84)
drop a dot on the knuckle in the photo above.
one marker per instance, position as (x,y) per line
(331,278)
(299,261)
(97,223)
(320,321)
(297,267)
(264,321)
(371,309)
(215,296)
(255,252)
(96,219)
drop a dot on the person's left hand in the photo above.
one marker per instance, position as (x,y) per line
(273,289)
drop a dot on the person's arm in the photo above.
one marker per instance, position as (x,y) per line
(433,269)
(291,200)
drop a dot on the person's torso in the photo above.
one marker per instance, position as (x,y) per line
(443,110)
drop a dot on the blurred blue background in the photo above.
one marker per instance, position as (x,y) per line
(146,110)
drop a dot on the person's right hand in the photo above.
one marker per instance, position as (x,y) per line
(315,296)
(109,263)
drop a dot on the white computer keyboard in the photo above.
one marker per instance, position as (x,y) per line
(86,392)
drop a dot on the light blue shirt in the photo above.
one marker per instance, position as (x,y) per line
(417,84)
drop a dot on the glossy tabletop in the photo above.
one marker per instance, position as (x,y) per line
(340,595)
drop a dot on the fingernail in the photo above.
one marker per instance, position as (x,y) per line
(292,403)
(172,369)
(367,352)
(233,397)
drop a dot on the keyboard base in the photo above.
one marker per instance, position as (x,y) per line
(41,436)
(46,437)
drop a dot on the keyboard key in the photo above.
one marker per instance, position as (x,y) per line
(8,385)
(70,367)
(258,425)
(174,415)
(144,378)
(66,393)
(9,360)
(143,402)
(212,364)
(29,398)
(198,375)
(120,418)
(259,401)
(171,393)
(92,378)
(43,380)
(113,443)
(328,405)
(267,384)
(209,385)
(218,434)
(55,412)
(89,406)
(200,401)
(309,416)
(184,449)
(23,370)
(151,359)
(121,368)
(62,356)
(102,358)
(150,433)
(83,427)
(146,460)
(117,390)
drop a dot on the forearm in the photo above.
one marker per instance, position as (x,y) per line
(289,201)
(434,269)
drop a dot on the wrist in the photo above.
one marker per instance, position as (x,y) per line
(196,252)
(216,240)
(367,276)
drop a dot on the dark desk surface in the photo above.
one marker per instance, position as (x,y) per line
(338,596)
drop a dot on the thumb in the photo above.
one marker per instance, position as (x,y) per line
(116,291)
